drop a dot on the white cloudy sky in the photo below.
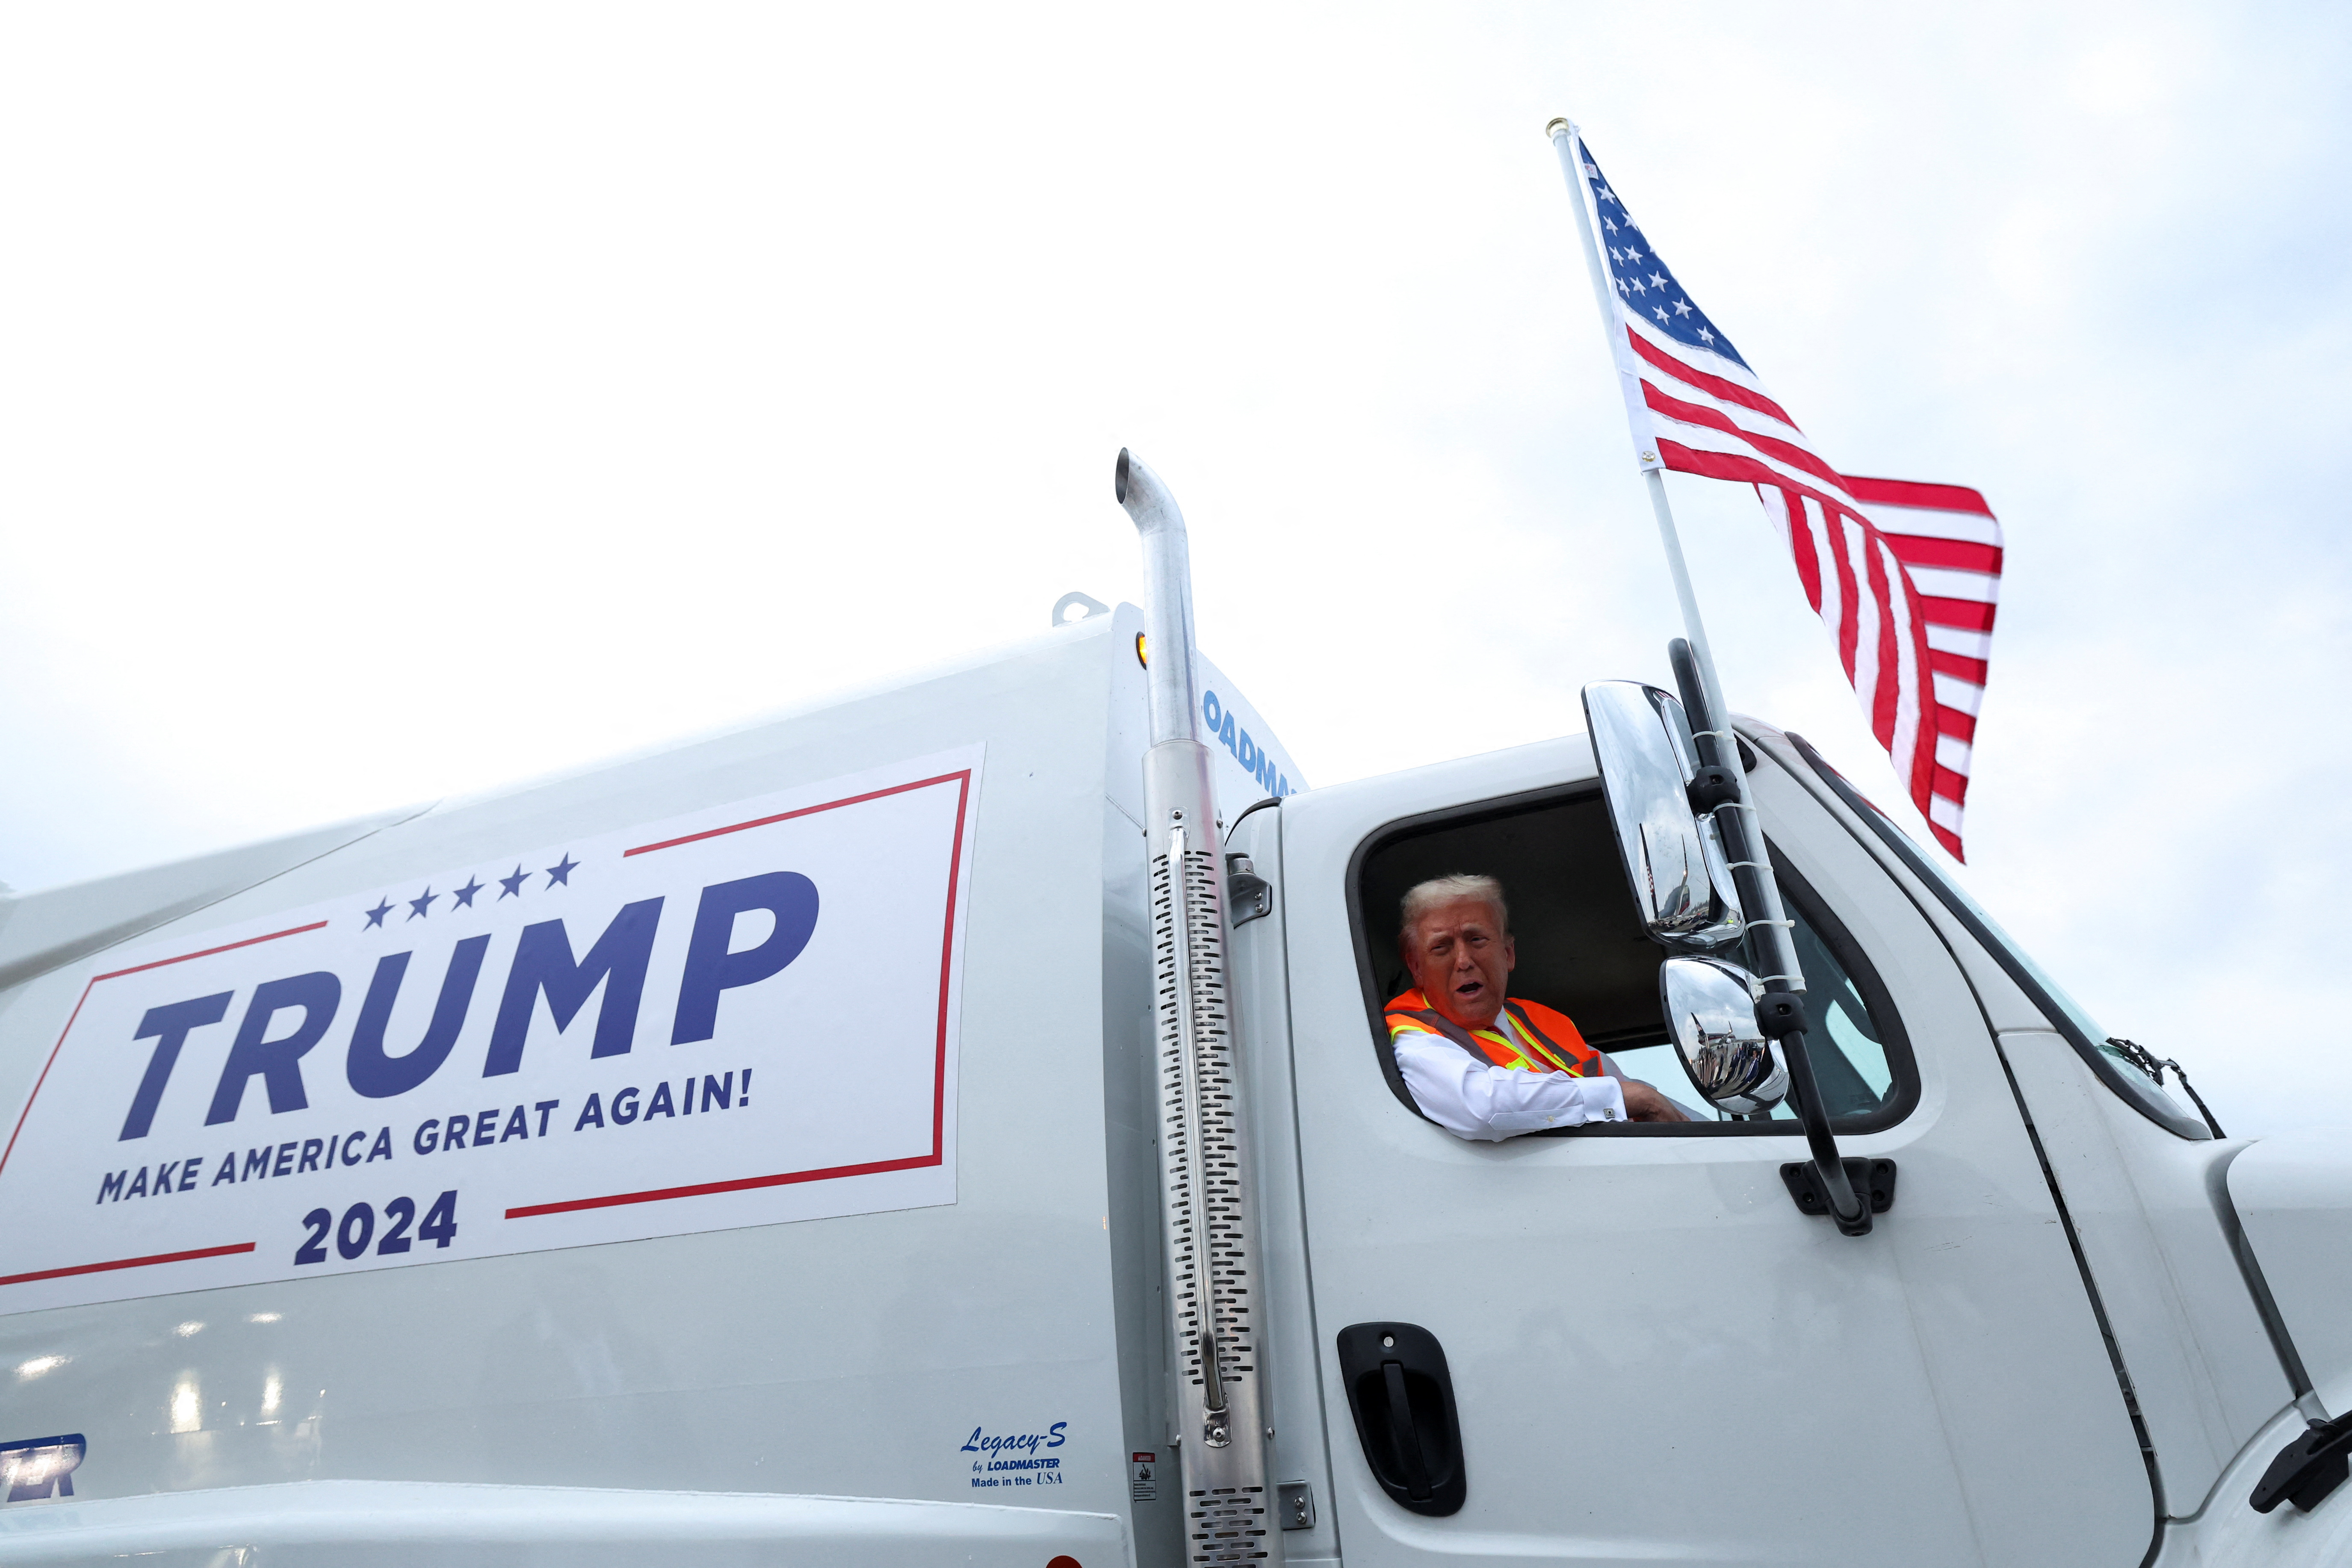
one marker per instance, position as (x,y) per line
(397,401)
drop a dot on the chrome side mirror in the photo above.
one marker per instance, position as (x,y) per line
(1674,860)
(1711,1009)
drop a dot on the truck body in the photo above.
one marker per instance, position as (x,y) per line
(762,1161)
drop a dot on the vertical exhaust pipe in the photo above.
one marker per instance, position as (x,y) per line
(1167,603)
(1215,1289)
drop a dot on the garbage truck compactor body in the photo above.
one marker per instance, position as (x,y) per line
(888,1135)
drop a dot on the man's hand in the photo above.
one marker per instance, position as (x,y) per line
(1643,1103)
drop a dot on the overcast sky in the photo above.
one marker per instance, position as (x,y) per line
(396,403)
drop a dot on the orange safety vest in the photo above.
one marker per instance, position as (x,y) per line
(1554,1045)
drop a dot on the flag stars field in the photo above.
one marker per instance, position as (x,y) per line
(1686,323)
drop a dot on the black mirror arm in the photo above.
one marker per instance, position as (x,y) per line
(1849,1207)
(1781,1013)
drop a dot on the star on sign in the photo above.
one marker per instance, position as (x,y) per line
(375,916)
(465,895)
(416,907)
(562,871)
(513,885)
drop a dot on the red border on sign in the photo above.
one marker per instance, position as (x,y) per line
(962,781)
(126,1263)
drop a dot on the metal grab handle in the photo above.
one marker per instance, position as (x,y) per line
(1404,1435)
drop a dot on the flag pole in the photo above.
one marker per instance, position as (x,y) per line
(1742,829)
(1564,139)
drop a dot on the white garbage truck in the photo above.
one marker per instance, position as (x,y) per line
(958,1125)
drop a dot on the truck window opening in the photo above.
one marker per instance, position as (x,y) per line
(1582,951)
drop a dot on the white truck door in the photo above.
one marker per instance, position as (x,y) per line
(1651,1352)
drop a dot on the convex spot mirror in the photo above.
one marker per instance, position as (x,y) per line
(1682,888)
(1710,1005)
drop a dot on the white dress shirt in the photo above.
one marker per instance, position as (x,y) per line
(1481,1101)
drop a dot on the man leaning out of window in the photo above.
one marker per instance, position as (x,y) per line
(1479,1062)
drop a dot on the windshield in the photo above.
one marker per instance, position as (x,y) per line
(2118,1071)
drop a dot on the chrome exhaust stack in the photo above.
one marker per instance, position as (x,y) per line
(1215,1287)
(1167,602)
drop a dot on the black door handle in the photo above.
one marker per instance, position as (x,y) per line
(1402,1435)
(1403,1399)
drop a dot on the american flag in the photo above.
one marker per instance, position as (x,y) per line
(1906,576)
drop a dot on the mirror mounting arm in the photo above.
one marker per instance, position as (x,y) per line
(1714,787)
(1780,1014)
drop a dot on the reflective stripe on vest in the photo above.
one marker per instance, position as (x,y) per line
(1532,1050)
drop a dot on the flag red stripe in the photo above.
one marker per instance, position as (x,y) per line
(1971,670)
(1923,740)
(1801,545)
(1882,709)
(1849,630)
(1953,554)
(1960,615)
(1685,459)
(1714,386)
(1952,787)
(1796,457)
(1927,498)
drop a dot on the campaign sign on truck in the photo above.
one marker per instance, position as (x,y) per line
(733,1018)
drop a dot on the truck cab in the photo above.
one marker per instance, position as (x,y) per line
(2046,1350)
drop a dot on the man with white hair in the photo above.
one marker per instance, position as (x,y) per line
(1483,1063)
